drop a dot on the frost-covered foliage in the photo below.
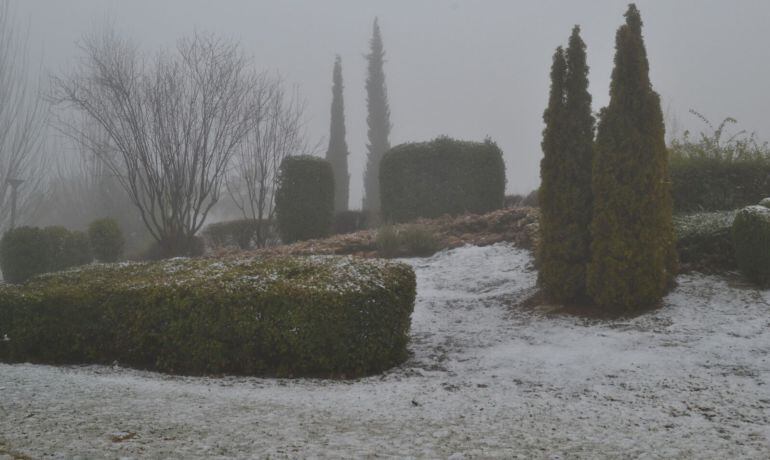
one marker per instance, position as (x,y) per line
(704,241)
(751,236)
(327,316)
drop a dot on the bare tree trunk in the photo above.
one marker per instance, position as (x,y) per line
(172,123)
(279,133)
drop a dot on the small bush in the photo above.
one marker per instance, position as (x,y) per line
(350,222)
(705,241)
(388,243)
(107,240)
(531,200)
(304,201)
(407,240)
(77,250)
(751,236)
(444,176)
(24,253)
(330,316)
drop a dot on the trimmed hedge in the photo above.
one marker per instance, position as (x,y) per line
(705,241)
(29,251)
(443,176)
(314,316)
(751,236)
(304,201)
(106,240)
(239,233)
(714,184)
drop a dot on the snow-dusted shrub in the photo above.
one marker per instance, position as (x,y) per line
(443,176)
(324,316)
(106,239)
(704,241)
(751,236)
(407,240)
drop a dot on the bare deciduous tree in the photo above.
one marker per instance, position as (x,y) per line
(278,134)
(172,122)
(23,117)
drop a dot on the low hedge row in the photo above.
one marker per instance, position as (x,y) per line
(241,233)
(316,316)
(443,176)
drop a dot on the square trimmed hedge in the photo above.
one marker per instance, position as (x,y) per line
(291,316)
(443,176)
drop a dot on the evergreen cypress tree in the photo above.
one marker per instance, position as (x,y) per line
(337,154)
(633,260)
(565,190)
(378,119)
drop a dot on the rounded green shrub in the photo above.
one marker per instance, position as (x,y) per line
(751,238)
(443,176)
(304,201)
(106,240)
(24,253)
(294,316)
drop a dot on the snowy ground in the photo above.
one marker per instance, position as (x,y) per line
(487,379)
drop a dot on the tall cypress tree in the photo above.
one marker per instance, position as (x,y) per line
(337,154)
(378,119)
(565,190)
(633,260)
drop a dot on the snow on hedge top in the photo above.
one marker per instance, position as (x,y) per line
(338,274)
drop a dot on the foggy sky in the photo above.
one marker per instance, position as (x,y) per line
(468,69)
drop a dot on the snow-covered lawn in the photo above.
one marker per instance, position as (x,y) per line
(487,379)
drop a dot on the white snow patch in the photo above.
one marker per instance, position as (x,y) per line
(486,380)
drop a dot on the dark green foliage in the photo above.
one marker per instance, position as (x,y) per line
(350,221)
(106,240)
(444,176)
(704,241)
(565,171)
(751,237)
(633,257)
(29,251)
(340,317)
(378,120)
(193,246)
(239,233)
(713,174)
(304,201)
(23,254)
(337,154)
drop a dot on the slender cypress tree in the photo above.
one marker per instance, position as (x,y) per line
(337,154)
(633,260)
(565,190)
(378,119)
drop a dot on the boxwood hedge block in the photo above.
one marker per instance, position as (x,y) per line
(304,201)
(443,176)
(751,237)
(317,316)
